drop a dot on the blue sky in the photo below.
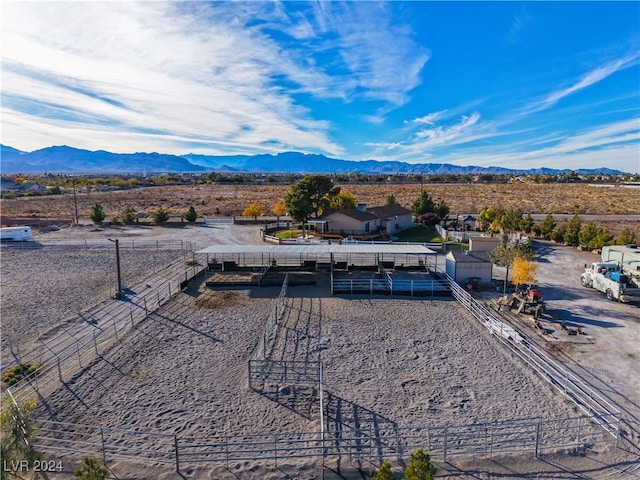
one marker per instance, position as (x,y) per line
(513,84)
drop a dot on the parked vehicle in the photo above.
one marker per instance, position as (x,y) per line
(608,278)
(16,234)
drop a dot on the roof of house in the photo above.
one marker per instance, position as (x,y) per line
(468,256)
(372,213)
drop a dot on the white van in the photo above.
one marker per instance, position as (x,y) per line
(16,234)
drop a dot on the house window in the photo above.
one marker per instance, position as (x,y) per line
(366,227)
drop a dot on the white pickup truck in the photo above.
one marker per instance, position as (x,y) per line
(607,278)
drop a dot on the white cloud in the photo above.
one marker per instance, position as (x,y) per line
(380,59)
(590,78)
(430,118)
(209,72)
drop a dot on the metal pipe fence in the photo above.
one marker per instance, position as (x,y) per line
(386,285)
(124,243)
(534,436)
(599,425)
(556,374)
(75,347)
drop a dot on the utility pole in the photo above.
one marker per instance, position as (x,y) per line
(75,200)
(119,292)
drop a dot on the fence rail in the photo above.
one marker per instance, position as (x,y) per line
(219,220)
(387,285)
(365,444)
(62,356)
(385,440)
(569,385)
(107,244)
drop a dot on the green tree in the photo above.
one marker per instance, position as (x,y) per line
(547,227)
(309,197)
(384,472)
(536,230)
(504,254)
(160,215)
(91,469)
(97,214)
(420,467)
(430,219)
(510,220)
(344,200)
(191,215)
(488,216)
(602,238)
(587,234)
(572,232)
(17,425)
(557,235)
(391,200)
(442,209)
(423,204)
(526,224)
(626,237)
(128,216)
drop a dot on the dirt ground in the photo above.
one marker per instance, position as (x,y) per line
(611,364)
(213,199)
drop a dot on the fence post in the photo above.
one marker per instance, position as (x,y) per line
(226,450)
(538,429)
(275,449)
(445,444)
(95,344)
(79,357)
(175,442)
(104,452)
(131,315)
(578,434)
(115,329)
(59,369)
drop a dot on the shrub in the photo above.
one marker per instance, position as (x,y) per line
(91,469)
(128,216)
(420,467)
(17,429)
(18,372)
(384,473)
(160,215)
(97,214)
(191,215)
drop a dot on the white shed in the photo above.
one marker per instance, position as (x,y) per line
(463,265)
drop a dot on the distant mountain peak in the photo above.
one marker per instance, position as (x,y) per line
(66,159)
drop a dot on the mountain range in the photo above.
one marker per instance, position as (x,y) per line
(69,160)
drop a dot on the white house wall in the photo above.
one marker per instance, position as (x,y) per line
(339,222)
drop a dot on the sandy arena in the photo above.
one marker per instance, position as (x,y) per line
(183,370)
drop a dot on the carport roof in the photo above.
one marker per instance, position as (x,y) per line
(352,248)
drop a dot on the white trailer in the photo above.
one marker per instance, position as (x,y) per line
(608,278)
(16,234)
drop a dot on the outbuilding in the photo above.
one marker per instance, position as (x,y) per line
(464,265)
(483,244)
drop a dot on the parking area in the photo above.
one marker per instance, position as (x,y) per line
(606,350)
